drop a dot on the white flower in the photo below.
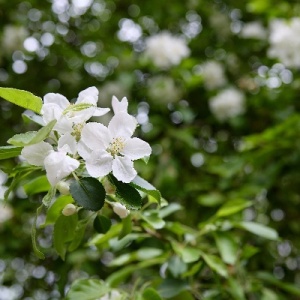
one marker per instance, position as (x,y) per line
(57,164)
(166,50)
(57,107)
(3,188)
(253,30)
(6,211)
(120,210)
(227,104)
(284,41)
(112,295)
(119,106)
(213,74)
(112,148)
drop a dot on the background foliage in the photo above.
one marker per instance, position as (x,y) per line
(231,185)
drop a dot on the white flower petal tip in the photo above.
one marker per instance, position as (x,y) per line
(120,210)
(119,106)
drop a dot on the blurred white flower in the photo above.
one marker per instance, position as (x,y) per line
(13,38)
(163,89)
(227,104)
(253,30)
(284,41)
(213,74)
(120,210)
(166,50)
(113,295)
(57,164)
(112,148)
(6,211)
(3,188)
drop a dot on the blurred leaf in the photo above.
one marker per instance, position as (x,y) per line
(216,264)
(22,98)
(188,254)
(79,234)
(144,186)
(102,224)
(268,294)
(87,289)
(232,207)
(227,246)
(172,287)
(153,219)
(127,194)
(176,266)
(37,185)
(47,199)
(36,250)
(88,192)
(126,227)
(32,137)
(151,294)
(9,151)
(193,270)
(64,232)
(258,229)
(235,289)
(169,209)
(211,199)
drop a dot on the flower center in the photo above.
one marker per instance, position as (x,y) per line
(77,128)
(116,146)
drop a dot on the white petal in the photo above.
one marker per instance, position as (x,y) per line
(136,148)
(59,165)
(83,150)
(67,143)
(51,112)
(122,125)
(119,106)
(63,125)
(95,136)
(89,95)
(100,111)
(123,170)
(99,164)
(35,154)
(58,99)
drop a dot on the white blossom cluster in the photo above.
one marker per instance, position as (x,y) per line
(227,104)
(6,211)
(166,50)
(213,74)
(76,144)
(284,41)
(253,30)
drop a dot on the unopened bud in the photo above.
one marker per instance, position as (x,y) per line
(64,188)
(69,210)
(120,210)
(108,186)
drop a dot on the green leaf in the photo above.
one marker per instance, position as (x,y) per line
(216,264)
(64,232)
(258,229)
(22,98)
(32,137)
(87,289)
(153,219)
(102,224)
(169,209)
(172,287)
(56,208)
(151,294)
(189,254)
(142,185)
(176,266)
(37,185)
(47,200)
(127,194)
(227,247)
(36,250)
(88,192)
(79,234)
(236,289)
(9,151)
(126,227)
(211,199)
(232,207)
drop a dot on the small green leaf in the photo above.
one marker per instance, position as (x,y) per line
(79,234)
(64,232)
(47,200)
(144,186)
(102,224)
(153,218)
(151,294)
(172,287)
(216,264)
(36,250)
(169,209)
(259,229)
(126,227)
(9,151)
(22,98)
(87,289)
(227,247)
(56,208)
(88,192)
(232,207)
(37,185)
(189,254)
(32,137)
(176,266)
(127,194)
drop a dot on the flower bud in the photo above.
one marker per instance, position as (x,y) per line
(63,187)
(69,210)
(108,186)
(120,210)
